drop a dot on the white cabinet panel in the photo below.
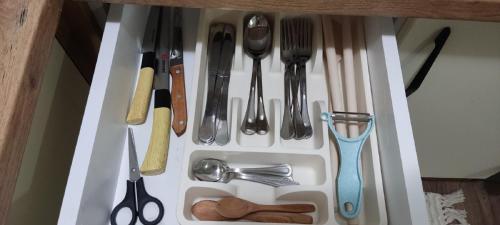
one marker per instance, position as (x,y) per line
(455,112)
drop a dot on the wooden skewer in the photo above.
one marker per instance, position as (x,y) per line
(333,85)
(334,78)
(349,76)
(336,93)
(350,82)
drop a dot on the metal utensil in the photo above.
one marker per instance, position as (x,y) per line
(207,131)
(215,170)
(288,126)
(220,51)
(291,32)
(221,166)
(296,51)
(303,52)
(274,181)
(257,43)
(222,132)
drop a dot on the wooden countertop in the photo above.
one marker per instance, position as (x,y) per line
(28,29)
(483,10)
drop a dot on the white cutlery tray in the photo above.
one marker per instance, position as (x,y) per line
(314,166)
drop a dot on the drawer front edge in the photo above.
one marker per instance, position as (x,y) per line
(401,175)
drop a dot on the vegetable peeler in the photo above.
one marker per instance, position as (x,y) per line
(349,180)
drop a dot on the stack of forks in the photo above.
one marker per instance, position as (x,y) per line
(296,50)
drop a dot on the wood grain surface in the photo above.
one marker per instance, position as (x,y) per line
(138,110)
(155,161)
(27,32)
(179,107)
(482,208)
(484,10)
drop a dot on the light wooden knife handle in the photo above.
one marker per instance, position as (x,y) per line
(155,161)
(140,102)
(179,121)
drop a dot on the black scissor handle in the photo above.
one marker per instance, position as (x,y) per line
(127,202)
(143,199)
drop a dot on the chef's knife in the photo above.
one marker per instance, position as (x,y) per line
(140,102)
(155,161)
(179,121)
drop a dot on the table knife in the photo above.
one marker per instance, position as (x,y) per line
(138,110)
(179,109)
(222,135)
(207,130)
(155,161)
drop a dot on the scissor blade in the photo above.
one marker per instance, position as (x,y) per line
(132,157)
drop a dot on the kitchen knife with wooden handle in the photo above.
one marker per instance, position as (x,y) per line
(179,108)
(155,161)
(138,110)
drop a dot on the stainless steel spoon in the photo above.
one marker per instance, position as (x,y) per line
(257,39)
(215,170)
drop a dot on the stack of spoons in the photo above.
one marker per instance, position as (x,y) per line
(215,170)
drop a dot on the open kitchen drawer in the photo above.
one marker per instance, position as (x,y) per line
(100,167)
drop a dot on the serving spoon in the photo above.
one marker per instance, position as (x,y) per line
(257,39)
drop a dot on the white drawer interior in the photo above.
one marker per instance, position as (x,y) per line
(99,170)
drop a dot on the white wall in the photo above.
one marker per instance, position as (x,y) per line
(456,112)
(49,151)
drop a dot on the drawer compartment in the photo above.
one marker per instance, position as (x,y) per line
(314,152)
(99,170)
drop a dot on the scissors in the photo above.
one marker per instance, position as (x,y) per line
(135,187)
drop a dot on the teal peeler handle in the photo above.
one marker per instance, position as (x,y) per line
(349,180)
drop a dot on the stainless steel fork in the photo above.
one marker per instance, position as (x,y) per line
(288,128)
(296,50)
(302,53)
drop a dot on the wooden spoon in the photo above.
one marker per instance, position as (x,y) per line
(236,208)
(206,211)
(279,217)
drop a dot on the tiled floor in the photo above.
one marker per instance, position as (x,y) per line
(482,208)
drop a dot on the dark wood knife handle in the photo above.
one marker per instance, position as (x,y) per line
(179,108)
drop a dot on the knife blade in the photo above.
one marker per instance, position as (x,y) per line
(138,110)
(179,108)
(155,161)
